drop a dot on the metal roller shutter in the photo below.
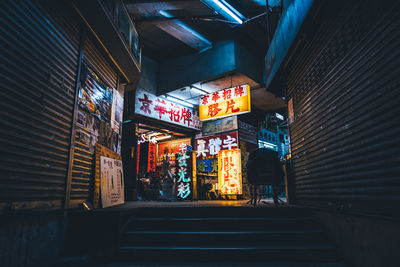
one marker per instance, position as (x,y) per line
(345,85)
(39,56)
(83,162)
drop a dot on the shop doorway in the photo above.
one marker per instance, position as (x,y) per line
(164,164)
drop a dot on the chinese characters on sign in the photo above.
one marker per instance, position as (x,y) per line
(224,103)
(229,172)
(152,157)
(184,171)
(170,148)
(158,108)
(112,182)
(209,146)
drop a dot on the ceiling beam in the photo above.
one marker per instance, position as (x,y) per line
(133,2)
(160,19)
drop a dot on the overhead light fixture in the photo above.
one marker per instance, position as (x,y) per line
(202,92)
(233,13)
(180,101)
(163,137)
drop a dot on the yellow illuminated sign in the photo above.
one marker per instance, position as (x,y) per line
(229,172)
(224,103)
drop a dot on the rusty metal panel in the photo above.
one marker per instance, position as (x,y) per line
(39,57)
(82,181)
(344,81)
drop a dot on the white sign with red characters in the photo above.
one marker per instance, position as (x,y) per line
(224,103)
(155,107)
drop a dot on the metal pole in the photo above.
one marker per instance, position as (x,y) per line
(73,124)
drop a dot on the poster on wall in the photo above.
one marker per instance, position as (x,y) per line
(247,132)
(111,182)
(155,107)
(209,146)
(117,112)
(184,179)
(230,172)
(94,96)
(219,126)
(225,103)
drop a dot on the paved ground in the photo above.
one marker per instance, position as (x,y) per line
(260,264)
(200,203)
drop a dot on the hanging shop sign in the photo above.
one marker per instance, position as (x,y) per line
(184,181)
(155,107)
(230,172)
(151,164)
(219,126)
(224,103)
(112,182)
(169,149)
(290,111)
(247,132)
(209,146)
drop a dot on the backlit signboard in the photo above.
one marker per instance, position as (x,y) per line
(209,146)
(230,172)
(184,181)
(224,103)
(155,107)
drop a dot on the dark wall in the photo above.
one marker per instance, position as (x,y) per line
(343,76)
(148,76)
(363,241)
(182,71)
(31,240)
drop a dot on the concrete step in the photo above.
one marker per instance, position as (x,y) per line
(222,224)
(229,253)
(223,238)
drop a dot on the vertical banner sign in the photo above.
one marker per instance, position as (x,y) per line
(224,103)
(112,182)
(230,172)
(152,158)
(184,182)
(290,111)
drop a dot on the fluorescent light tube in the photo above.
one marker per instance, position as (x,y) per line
(180,101)
(163,137)
(227,10)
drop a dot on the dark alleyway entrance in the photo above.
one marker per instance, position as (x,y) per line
(98,98)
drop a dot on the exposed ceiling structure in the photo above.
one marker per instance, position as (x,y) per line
(173,28)
(177,27)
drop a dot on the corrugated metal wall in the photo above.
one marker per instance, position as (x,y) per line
(84,162)
(39,58)
(344,79)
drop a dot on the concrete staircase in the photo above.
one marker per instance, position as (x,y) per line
(224,235)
